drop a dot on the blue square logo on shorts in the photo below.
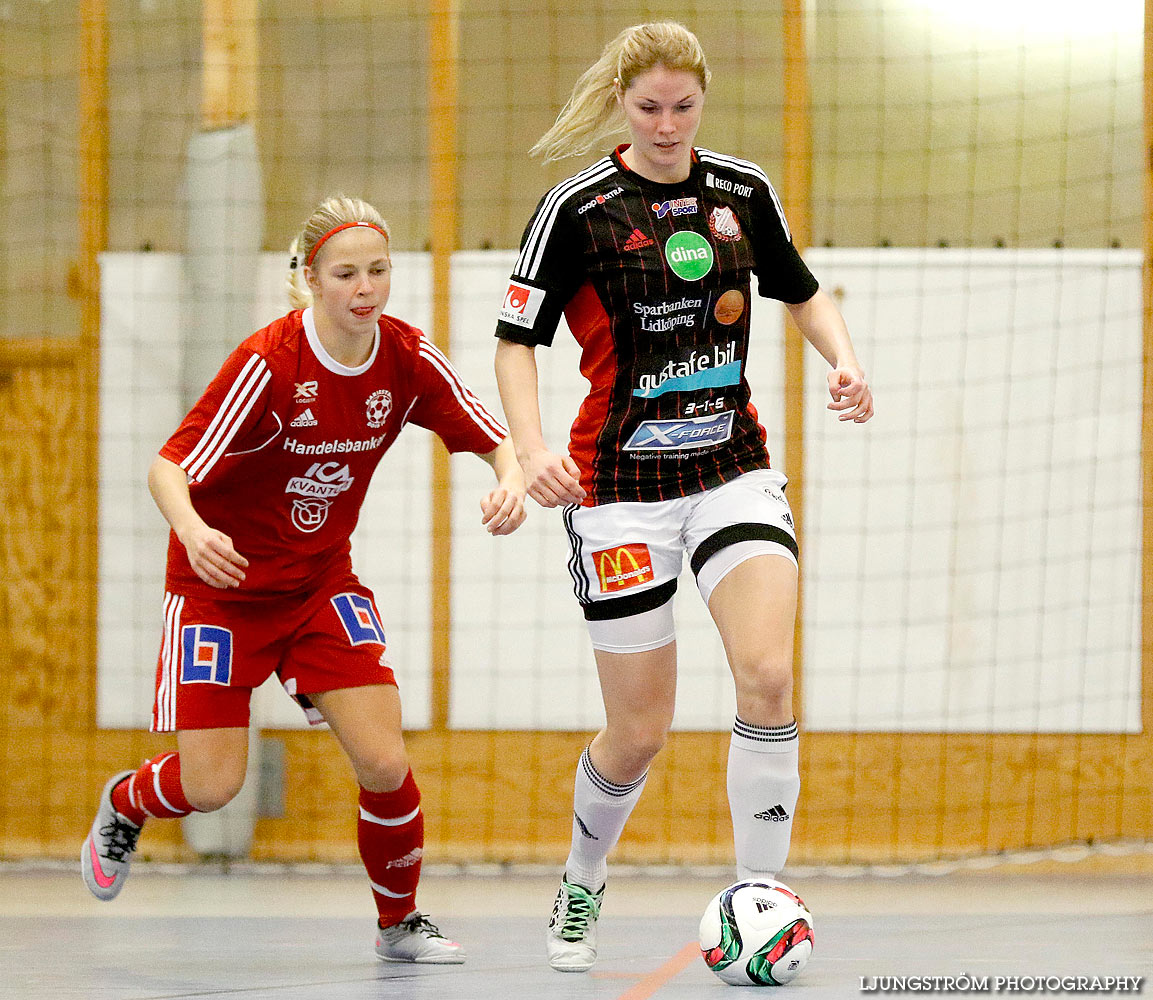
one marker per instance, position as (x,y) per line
(206,655)
(359,619)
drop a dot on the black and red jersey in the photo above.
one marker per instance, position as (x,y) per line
(654,281)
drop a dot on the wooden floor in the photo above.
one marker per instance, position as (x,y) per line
(259,933)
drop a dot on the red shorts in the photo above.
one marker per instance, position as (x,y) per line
(215,652)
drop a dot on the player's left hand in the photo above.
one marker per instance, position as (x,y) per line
(502,510)
(852,397)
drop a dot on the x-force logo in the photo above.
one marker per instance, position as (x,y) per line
(680,435)
(623,566)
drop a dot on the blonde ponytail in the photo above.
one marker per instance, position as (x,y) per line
(334,211)
(592,112)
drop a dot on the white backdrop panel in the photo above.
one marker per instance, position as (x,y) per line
(972,553)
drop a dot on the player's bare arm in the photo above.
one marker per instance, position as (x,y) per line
(210,552)
(502,509)
(551,479)
(821,322)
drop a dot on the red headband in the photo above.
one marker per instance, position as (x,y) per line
(332,232)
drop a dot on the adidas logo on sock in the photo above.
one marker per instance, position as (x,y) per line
(777,814)
(584,829)
(306,419)
(410,859)
(638,241)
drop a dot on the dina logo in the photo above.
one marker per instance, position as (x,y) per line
(689,254)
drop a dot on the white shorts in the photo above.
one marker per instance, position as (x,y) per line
(625,558)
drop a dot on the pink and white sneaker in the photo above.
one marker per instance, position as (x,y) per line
(416,939)
(109,846)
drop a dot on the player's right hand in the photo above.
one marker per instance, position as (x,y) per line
(552,480)
(213,558)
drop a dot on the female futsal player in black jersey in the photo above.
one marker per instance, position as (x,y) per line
(649,254)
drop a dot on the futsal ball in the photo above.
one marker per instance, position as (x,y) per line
(757,932)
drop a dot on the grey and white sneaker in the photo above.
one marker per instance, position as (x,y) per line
(572,931)
(109,846)
(417,939)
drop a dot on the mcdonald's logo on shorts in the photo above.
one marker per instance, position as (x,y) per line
(623,566)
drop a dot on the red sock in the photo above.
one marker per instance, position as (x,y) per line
(390,834)
(154,790)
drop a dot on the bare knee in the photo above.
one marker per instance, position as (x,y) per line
(627,749)
(213,763)
(383,770)
(207,792)
(764,688)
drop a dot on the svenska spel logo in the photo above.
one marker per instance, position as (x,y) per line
(689,255)
(521,304)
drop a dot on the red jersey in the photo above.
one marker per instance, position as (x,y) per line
(281,447)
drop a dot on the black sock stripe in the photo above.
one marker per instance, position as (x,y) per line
(745,532)
(777,734)
(603,783)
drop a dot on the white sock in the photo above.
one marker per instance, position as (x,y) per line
(600,810)
(764,782)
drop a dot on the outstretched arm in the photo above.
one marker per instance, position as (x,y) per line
(502,509)
(551,479)
(821,322)
(210,552)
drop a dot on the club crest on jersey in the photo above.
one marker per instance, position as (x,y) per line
(377,407)
(623,566)
(206,655)
(306,392)
(723,224)
(675,206)
(521,304)
(359,619)
(682,435)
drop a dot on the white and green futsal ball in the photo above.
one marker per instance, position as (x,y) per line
(757,932)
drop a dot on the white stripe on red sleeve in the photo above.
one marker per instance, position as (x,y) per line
(468,400)
(242,396)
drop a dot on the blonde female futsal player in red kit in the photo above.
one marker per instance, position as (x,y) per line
(262,485)
(649,254)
